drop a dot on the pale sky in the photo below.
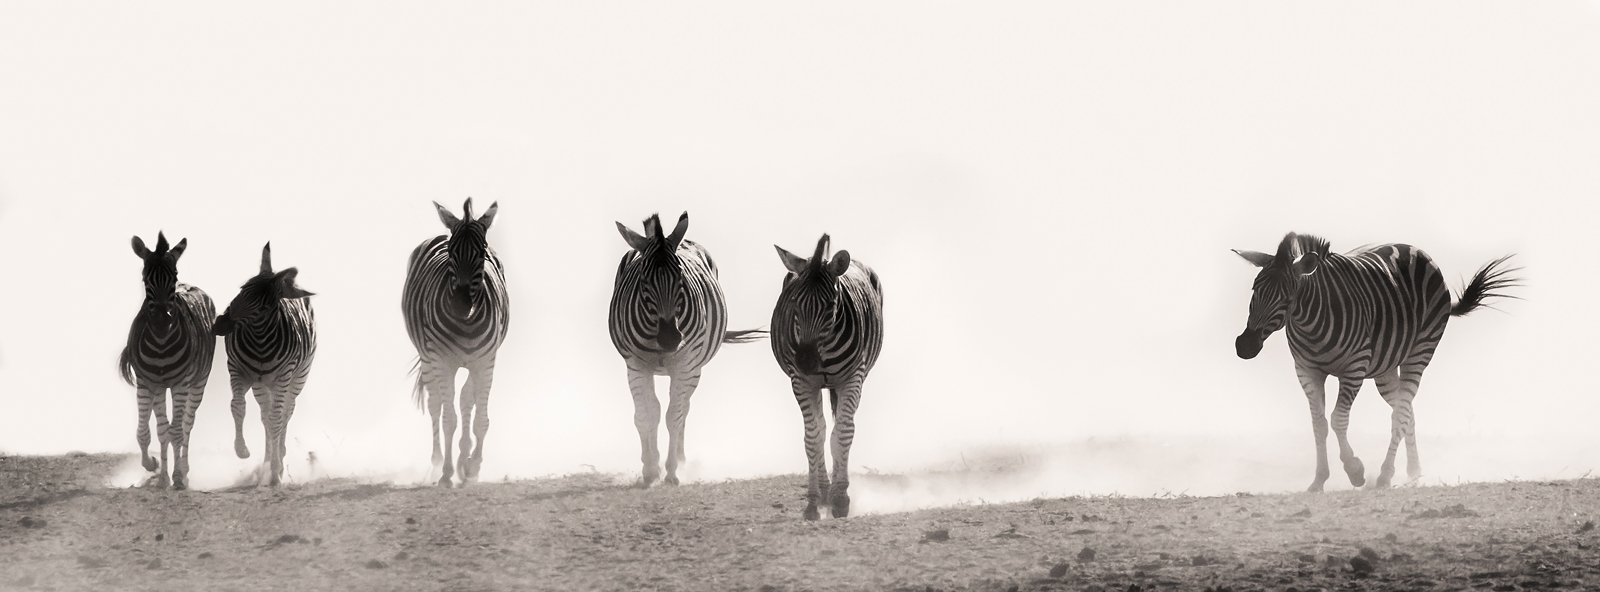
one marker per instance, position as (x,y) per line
(1049,193)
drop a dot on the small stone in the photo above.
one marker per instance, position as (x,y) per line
(936,536)
(777,505)
(375,564)
(1307,558)
(1086,555)
(1059,570)
(1368,554)
(31,522)
(160,537)
(402,556)
(1360,565)
(154,564)
(1390,537)
(1587,526)
(288,538)
(206,555)
(1134,588)
(411,520)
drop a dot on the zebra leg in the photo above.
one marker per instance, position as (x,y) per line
(844,433)
(286,399)
(441,400)
(264,405)
(808,392)
(1348,388)
(1314,383)
(184,403)
(146,398)
(646,416)
(1398,389)
(162,434)
(467,403)
(479,380)
(677,417)
(239,387)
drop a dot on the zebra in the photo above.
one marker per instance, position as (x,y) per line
(271,336)
(827,331)
(169,347)
(1376,313)
(667,318)
(457,312)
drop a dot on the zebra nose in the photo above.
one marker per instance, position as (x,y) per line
(1248,344)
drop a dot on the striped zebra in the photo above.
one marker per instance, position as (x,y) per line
(827,331)
(169,347)
(271,337)
(667,318)
(457,312)
(1373,313)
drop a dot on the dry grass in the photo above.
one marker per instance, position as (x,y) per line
(59,530)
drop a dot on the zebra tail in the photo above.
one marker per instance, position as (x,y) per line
(745,336)
(125,365)
(418,394)
(1486,284)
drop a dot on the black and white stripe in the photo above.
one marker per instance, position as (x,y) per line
(827,330)
(271,340)
(667,318)
(169,347)
(1373,313)
(457,312)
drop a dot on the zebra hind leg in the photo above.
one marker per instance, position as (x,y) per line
(1348,388)
(1398,389)
(677,420)
(646,418)
(264,404)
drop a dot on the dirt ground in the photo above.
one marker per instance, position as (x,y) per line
(60,529)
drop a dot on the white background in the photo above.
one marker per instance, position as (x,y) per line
(1049,193)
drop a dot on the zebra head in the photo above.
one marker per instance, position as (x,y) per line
(811,291)
(658,281)
(1277,286)
(468,248)
(160,275)
(259,295)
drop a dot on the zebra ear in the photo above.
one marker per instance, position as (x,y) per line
(794,263)
(266,259)
(286,286)
(839,264)
(488,215)
(678,232)
(638,243)
(139,248)
(177,251)
(1307,264)
(1255,258)
(450,220)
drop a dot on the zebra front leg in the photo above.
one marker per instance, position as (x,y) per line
(441,400)
(1398,389)
(646,417)
(1348,388)
(163,435)
(677,418)
(263,395)
(844,433)
(479,381)
(808,393)
(286,398)
(467,402)
(146,400)
(184,405)
(239,386)
(1314,383)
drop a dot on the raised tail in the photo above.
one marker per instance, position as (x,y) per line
(1484,285)
(418,394)
(745,336)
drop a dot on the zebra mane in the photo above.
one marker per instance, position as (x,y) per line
(1294,245)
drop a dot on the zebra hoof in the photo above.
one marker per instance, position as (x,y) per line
(811,512)
(444,482)
(240,449)
(150,464)
(841,507)
(1316,487)
(670,480)
(178,483)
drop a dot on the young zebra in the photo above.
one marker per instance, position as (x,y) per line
(667,318)
(271,337)
(827,331)
(169,347)
(457,312)
(1373,313)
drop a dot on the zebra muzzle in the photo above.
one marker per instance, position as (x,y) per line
(222,326)
(1249,343)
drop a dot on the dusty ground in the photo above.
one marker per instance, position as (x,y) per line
(61,530)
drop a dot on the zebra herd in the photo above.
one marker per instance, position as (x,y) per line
(1374,313)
